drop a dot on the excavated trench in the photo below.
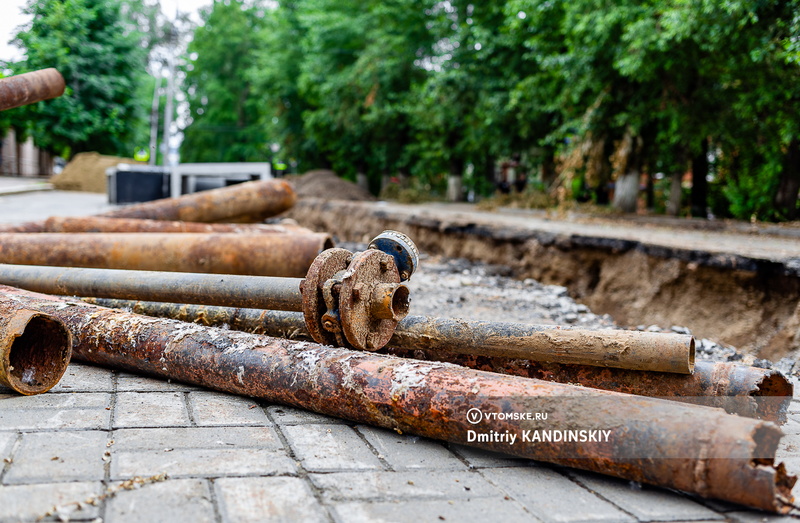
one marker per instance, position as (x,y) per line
(751,304)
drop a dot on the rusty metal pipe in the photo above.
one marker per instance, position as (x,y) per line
(247,202)
(251,254)
(35,349)
(231,290)
(28,88)
(101,224)
(739,389)
(23,227)
(685,447)
(606,348)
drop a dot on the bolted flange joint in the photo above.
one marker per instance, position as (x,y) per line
(357,299)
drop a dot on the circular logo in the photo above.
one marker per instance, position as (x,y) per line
(474,416)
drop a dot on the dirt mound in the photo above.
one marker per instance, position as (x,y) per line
(87,172)
(325,184)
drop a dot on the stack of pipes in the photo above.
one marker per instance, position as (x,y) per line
(593,400)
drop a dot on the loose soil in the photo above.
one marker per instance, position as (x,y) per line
(87,172)
(326,184)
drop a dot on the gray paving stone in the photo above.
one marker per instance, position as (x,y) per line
(479,458)
(172,500)
(31,502)
(83,378)
(150,409)
(644,502)
(330,448)
(553,497)
(436,511)
(55,419)
(59,456)
(404,452)
(291,416)
(134,383)
(201,463)
(76,400)
(267,499)
(7,440)
(755,516)
(155,438)
(417,484)
(214,408)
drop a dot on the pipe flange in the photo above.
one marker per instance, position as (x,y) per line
(321,323)
(372,300)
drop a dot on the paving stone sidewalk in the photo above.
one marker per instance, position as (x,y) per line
(109,446)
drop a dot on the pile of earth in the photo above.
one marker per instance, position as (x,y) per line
(87,172)
(326,184)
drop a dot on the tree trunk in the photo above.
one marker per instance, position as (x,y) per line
(18,144)
(626,188)
(362,180)
(454,180)
(789,185)
(548,166)
(699,182)
(626,191)
(650,192)
(675,194)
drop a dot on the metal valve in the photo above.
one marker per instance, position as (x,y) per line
(401,248)
(356,299)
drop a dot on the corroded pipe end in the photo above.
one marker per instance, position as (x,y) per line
(28,88)
(35,349)
(390,301)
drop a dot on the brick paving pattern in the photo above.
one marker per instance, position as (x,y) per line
(109,446)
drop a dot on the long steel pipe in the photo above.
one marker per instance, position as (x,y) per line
(28,88)
(102,224)
(243,202)
(685,447)
(232,290)
(609,348)
(35,349)
(739,389)
(288,255)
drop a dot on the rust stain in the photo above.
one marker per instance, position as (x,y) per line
(246,202)
(35,348)
(286,255)
(28,88)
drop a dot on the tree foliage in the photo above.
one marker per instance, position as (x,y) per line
(100,53)
(607,91)
(225,114)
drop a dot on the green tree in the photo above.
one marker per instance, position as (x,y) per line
(92,45)
(225,115)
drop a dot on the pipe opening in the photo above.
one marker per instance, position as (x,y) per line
(328,243)
(401,302)
(691,354)
(39,356)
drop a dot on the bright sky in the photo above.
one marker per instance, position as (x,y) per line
(11,18)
